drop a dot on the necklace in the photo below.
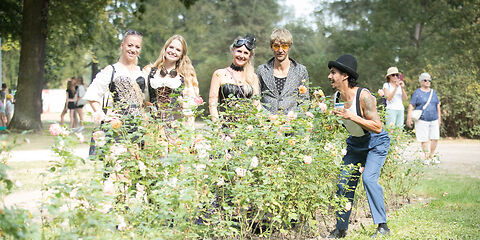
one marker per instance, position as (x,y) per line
(236,68)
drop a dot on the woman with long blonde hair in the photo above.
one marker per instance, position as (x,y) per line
(239,79)
(173,82)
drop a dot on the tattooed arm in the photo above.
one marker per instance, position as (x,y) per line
(368,106)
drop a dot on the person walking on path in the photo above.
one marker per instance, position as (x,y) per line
(80,92)
(283,81)
(71,101)
(394,90)
(9,108)
(427,127)
(367,144)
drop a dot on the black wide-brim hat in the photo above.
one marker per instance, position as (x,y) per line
(347,64)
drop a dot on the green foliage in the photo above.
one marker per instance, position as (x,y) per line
(415,36)
(253,174)
(15,223)
(11,15)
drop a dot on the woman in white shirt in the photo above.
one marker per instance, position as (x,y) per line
(394,90)
(124,80)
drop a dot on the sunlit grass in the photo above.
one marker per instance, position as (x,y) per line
(446,207)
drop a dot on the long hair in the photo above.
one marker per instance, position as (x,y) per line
(184,65)
(251,76)
(79,80)
(71,85)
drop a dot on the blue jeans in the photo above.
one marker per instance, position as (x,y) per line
(370,151)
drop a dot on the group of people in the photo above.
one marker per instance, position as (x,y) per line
(74,103)
(6,107)
(424,99)
(168,88)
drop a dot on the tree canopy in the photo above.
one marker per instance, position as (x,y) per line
(416,36)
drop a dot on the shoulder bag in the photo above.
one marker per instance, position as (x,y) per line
(416,114)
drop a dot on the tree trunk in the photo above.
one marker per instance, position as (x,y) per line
(28,106)
(95,70)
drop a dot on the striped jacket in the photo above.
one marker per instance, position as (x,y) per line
(290,98)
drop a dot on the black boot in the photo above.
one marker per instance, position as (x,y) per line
(338,233)
(382,230)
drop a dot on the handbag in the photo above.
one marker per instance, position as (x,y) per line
(416,114)
(92,150)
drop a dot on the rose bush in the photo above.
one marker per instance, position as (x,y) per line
(257,174)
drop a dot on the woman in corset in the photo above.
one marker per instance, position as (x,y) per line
(238,80)
(125,81)
(173,86)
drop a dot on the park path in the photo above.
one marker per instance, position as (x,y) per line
(461,157)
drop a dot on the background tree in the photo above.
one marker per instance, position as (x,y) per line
(416,36)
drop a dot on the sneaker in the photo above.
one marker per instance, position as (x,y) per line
(381,231)
(337,233)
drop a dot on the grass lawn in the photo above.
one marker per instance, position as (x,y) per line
(446,207)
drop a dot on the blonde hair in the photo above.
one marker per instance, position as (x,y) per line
(251,76)
(184,65)
(282,35)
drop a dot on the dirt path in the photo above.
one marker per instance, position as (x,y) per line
(460,157)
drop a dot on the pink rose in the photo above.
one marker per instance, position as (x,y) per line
(241,172)
(322,106)
(254,162)
(198,100)
(220,182)
(307,159)
(291,115)
(55,129)
(273,117)
(80,137)
(309,114)
(98,134)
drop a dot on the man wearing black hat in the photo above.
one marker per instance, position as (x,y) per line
(367,144)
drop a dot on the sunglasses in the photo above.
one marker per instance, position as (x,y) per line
(249,44)
(395,75)
(277,47)
(427,80)
(173,73)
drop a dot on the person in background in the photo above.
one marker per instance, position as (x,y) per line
(283,81)
(427,128)
(71,101)
(394,90)
(80,92)
(367,145)
(238,80)
(65,107)
(3,117)
(9,108)
(172,83)
(3,93)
